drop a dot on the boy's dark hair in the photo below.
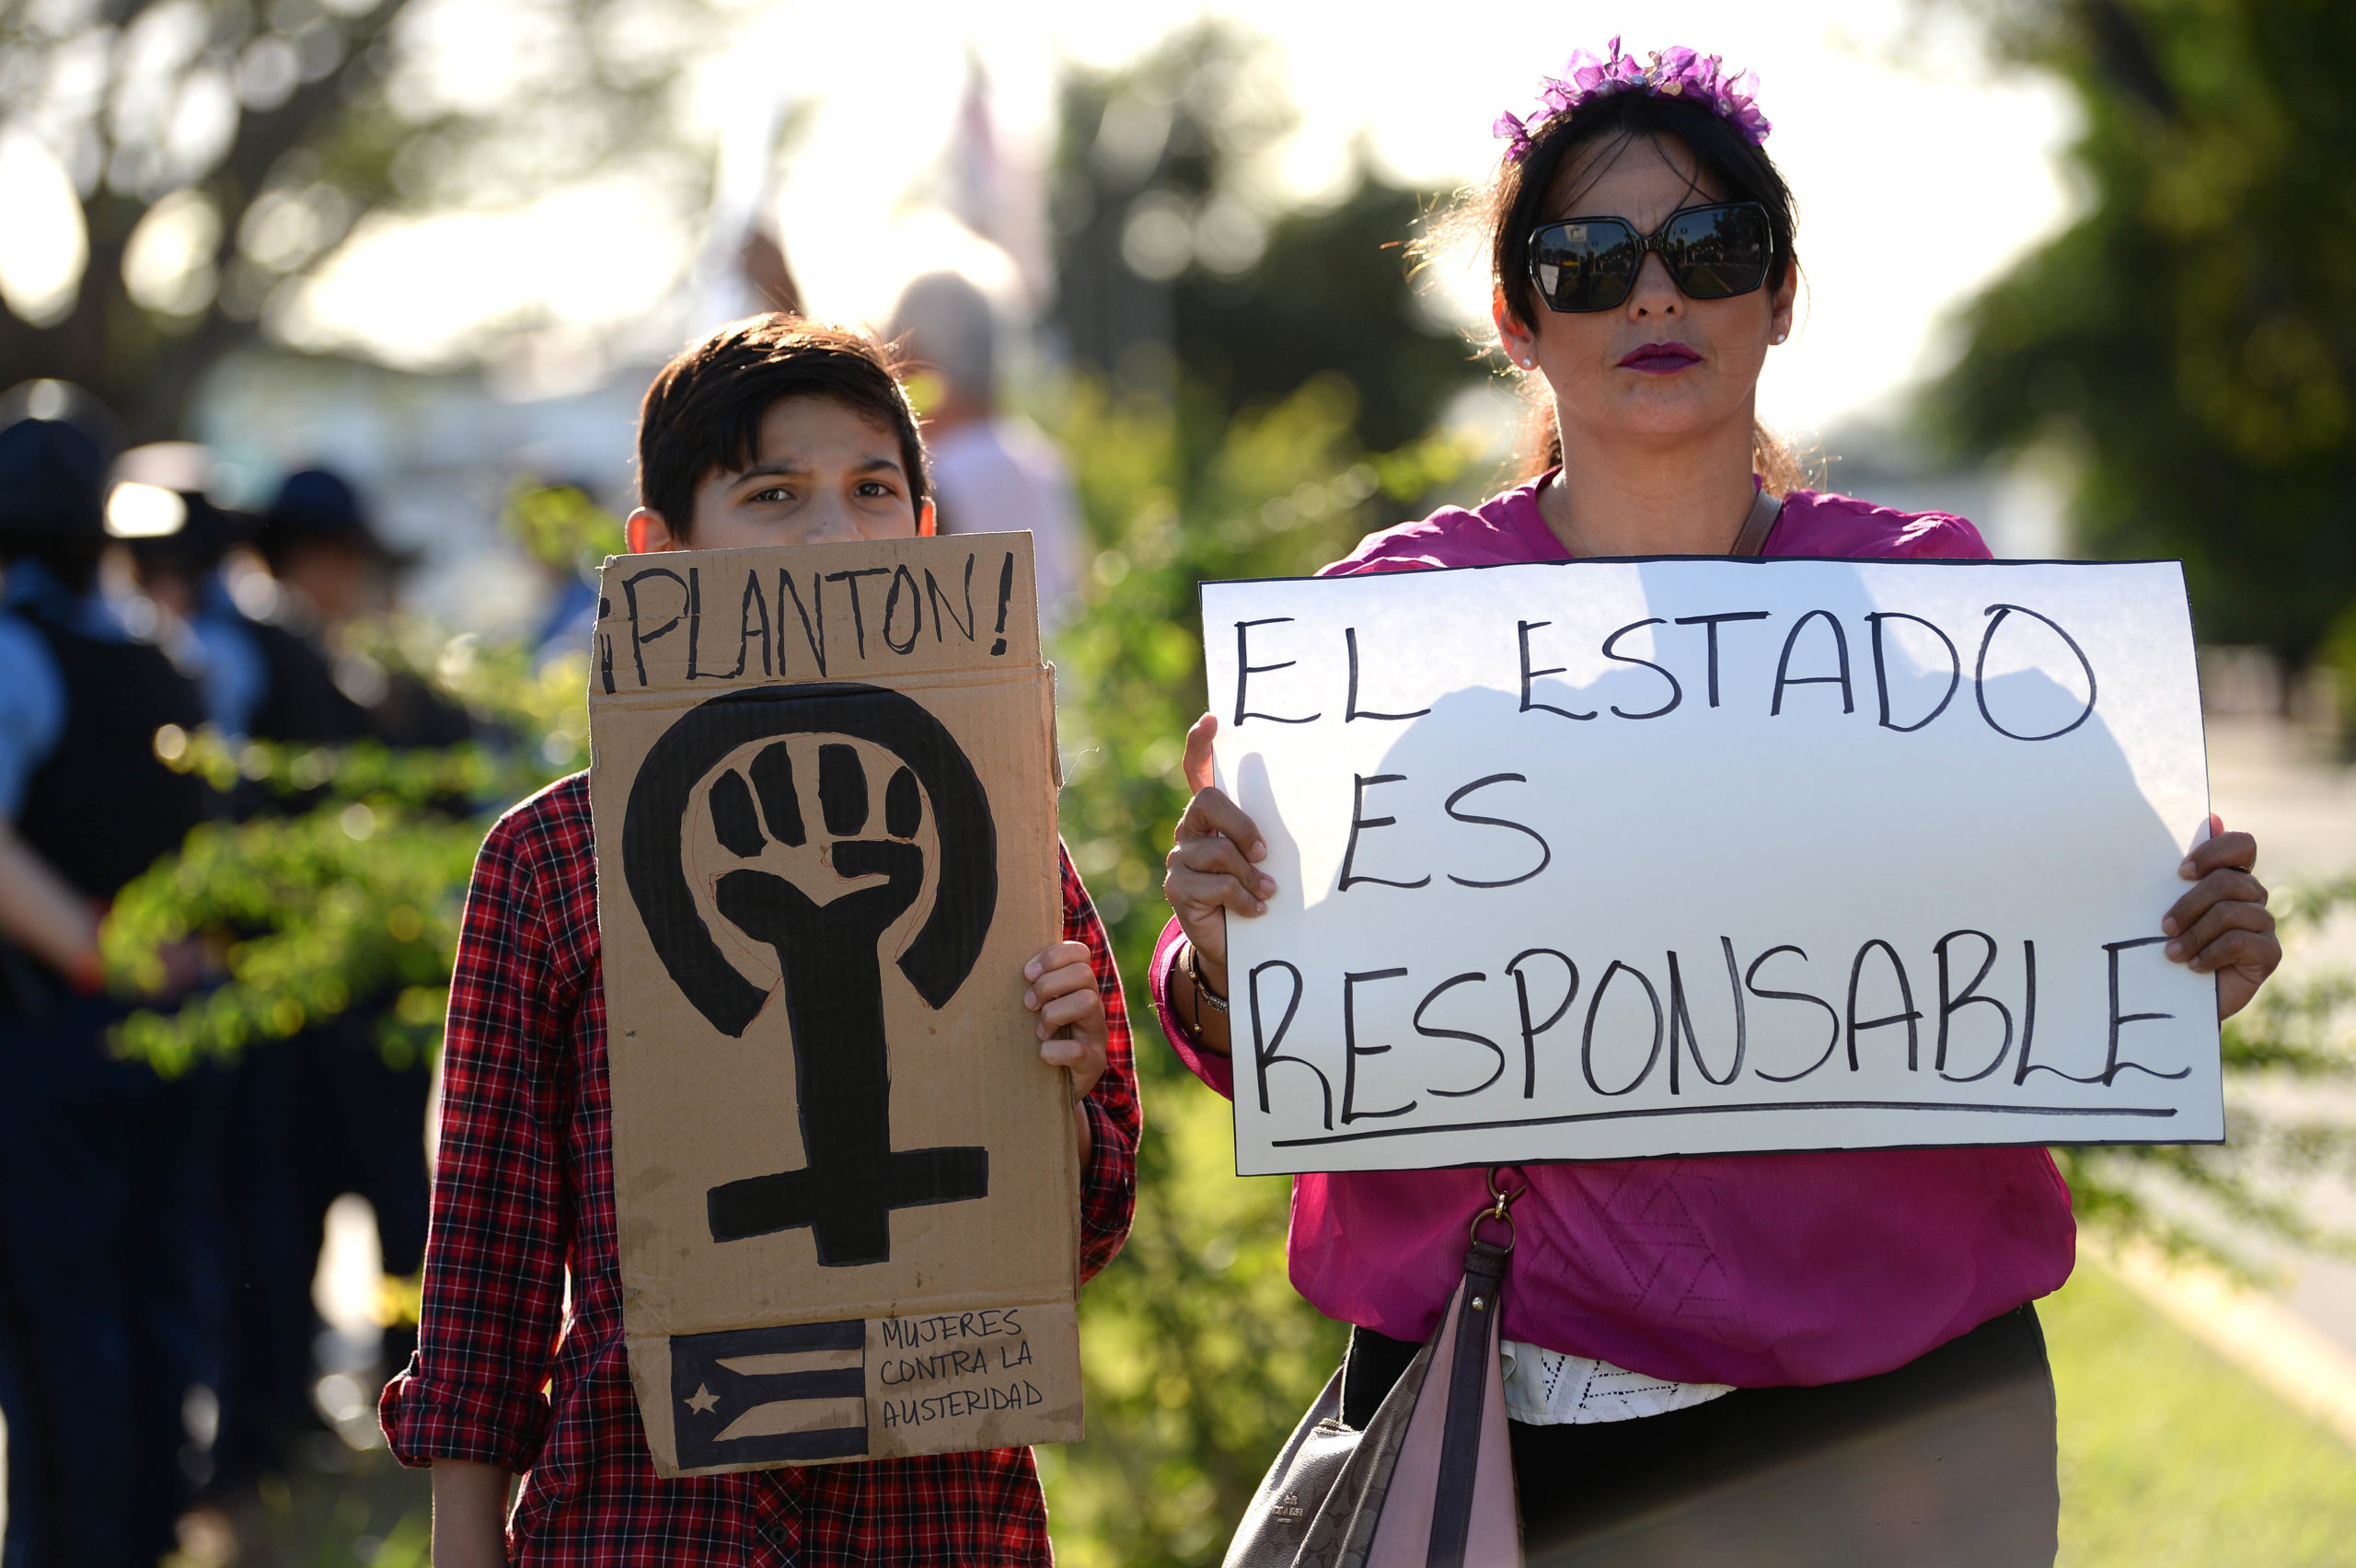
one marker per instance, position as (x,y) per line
(704,409)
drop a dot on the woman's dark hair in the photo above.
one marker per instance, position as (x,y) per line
(1502,213)
(704,409)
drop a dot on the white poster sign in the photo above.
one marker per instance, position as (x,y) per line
(1601,860)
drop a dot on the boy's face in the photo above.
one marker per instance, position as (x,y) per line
(824,473)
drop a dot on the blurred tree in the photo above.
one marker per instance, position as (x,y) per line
(2190,340)
(220,151)
(1180,261)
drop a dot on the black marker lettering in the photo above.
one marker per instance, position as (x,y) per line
(1005,596)
(752,601)
(814,631)
(1783,664)
(1267,1046)
(1980,673)
(943,611)
(1359,820)
(1905,1000)
(637,639)
(1524,629)
(2112,1066)
(858,615)
(1676,692)
(1711,622)
(900,575)
(1586,1036)
(1881,671)
(1352,1050)
(1350,708)
(2028,1027)
(1831,1040)
(1529,1032)
(1680,1024)
(1245,669)
(1545,853)
(1951,1004)
(1432,1031)
(695,626)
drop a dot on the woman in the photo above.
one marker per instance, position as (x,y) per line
(1857,1320)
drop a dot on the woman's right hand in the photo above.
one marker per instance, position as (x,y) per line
(1214,864)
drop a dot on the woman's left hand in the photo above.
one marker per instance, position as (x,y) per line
(2222,926)
(1072,1029)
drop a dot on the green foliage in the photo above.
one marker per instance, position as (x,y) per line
(349,890)
(2301,1029)
(1170,235)
(272,130)
(2191,340)
(1199,1356)
(2171,1459)
(561,526)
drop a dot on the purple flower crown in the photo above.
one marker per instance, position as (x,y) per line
(1668,73)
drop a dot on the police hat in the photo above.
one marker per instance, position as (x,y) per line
(54,446)
(316,506)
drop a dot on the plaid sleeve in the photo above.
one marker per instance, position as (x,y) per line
(494,1260)
(1108,1190)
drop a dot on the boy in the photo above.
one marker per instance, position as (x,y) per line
(775,431)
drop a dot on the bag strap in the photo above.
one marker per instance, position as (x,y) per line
(1468,1387)
(1765,508)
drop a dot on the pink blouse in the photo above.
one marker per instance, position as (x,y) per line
(1752,1270)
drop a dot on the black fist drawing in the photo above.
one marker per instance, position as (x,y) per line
(824,897)
(776,911)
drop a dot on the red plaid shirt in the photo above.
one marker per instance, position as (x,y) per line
(510,1373)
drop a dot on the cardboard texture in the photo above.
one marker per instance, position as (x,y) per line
(1603,859)
(848,1194)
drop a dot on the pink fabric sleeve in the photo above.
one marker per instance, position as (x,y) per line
(1208,1066)
(1938,536)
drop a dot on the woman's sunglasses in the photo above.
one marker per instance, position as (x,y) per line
(1713,252)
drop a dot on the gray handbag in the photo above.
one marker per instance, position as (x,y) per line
(1429,1483)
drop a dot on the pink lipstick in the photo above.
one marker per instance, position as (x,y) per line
(1659,359)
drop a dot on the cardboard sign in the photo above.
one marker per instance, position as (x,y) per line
(825,818)
(1601,860)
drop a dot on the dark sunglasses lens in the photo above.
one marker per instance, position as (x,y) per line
(1584,266)
(1718,252)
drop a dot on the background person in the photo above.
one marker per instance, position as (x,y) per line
(992,472)
(322,1112)
(105,1310)
(1694,1321)
(179,570)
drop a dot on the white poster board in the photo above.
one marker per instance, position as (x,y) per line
(1612,858)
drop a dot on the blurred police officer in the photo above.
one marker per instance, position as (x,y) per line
(101,1330)
(322,1114)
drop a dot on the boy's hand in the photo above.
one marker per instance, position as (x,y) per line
(2222,927)
(1071,1013)
(1063,991)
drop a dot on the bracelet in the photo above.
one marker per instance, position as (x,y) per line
(1209,998)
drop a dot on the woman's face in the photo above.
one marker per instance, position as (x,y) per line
(1658,366)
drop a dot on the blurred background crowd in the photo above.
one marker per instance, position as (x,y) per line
(327,322)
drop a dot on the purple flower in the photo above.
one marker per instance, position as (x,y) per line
(1675,72)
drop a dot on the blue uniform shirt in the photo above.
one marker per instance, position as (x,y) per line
(236,676)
